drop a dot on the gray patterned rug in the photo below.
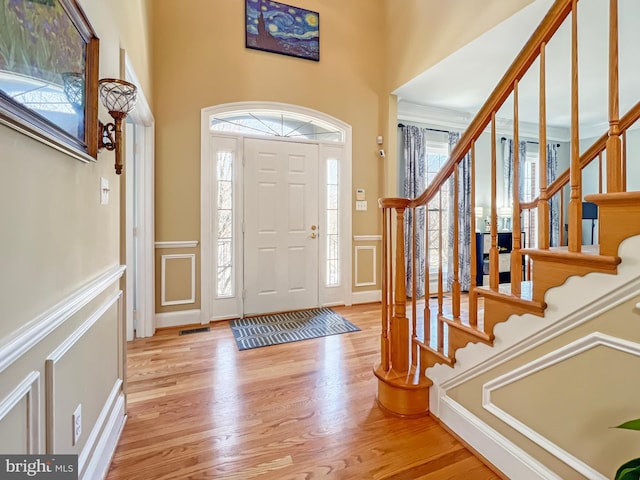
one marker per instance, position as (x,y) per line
(267,330)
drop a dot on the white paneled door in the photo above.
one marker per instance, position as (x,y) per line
(281,235)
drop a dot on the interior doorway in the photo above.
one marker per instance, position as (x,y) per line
(137,213)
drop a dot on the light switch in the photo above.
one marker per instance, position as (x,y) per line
(361,205)
(104,191)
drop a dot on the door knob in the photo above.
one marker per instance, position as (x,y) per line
(313,235)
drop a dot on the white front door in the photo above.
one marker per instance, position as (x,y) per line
(280,226)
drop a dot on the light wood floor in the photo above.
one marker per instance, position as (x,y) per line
(198,408)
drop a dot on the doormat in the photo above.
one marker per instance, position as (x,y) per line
(289,327)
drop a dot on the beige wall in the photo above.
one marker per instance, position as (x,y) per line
(56,239)
(200,60)
(574,402)
(420,33)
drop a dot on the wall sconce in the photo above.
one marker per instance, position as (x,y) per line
(119,98)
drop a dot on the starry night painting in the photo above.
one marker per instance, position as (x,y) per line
(279,28)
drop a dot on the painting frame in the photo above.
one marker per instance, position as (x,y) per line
(81,141)
(284,29)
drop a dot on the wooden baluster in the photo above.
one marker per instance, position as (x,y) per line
(575,173)
(561,238)
(473,295)
(600,172)
(455,285)
(414,288)
(614,161)
(384,339)
(493,252)
(624,162)
(399,322)
(440,296)
(516,258)
(427,308)
(390,273)
(543,204)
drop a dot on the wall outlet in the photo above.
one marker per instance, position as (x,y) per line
(77,423)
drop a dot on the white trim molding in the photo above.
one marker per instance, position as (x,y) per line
(573,349)
(368,296)
(177,244)
(29,388)
(367,238)
(374,263)
(54,357)
(510,459)
(179,318)
(163,277)
(95,457)
(13,347)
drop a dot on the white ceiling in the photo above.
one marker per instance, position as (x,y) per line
(465,79)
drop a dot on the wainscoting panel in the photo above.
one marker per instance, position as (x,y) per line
(178,266)
(37,330)
(20,418)
(365,266)
(604,354)
(72,382)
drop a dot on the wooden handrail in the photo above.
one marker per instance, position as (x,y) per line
(599,146)
(531,50)
(631,117)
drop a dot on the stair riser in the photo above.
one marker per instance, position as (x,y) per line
(548,274)
(617,223)
(496,311)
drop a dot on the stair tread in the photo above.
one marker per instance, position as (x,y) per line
(526,289)
(590,252)
(462,325)
(442,358)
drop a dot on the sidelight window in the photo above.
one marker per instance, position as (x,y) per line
(224,228)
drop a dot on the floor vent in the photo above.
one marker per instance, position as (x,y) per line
(194,330)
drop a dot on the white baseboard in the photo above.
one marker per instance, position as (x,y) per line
(178,319)
(95,459)
(497,449)
(369,296)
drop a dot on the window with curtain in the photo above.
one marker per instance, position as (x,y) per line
(437,153)
(531,189)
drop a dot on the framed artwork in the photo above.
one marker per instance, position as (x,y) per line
(49,74)
(280,28)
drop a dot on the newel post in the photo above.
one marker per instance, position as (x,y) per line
(399,321)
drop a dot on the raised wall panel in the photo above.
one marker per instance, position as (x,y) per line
(365,266)
(20,418)
(70,381)
(549,384)
(173,289)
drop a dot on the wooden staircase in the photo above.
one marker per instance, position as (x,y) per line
(408,348)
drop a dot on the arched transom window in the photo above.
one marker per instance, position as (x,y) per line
(271,123)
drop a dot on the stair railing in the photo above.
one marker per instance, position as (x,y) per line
(404,356)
